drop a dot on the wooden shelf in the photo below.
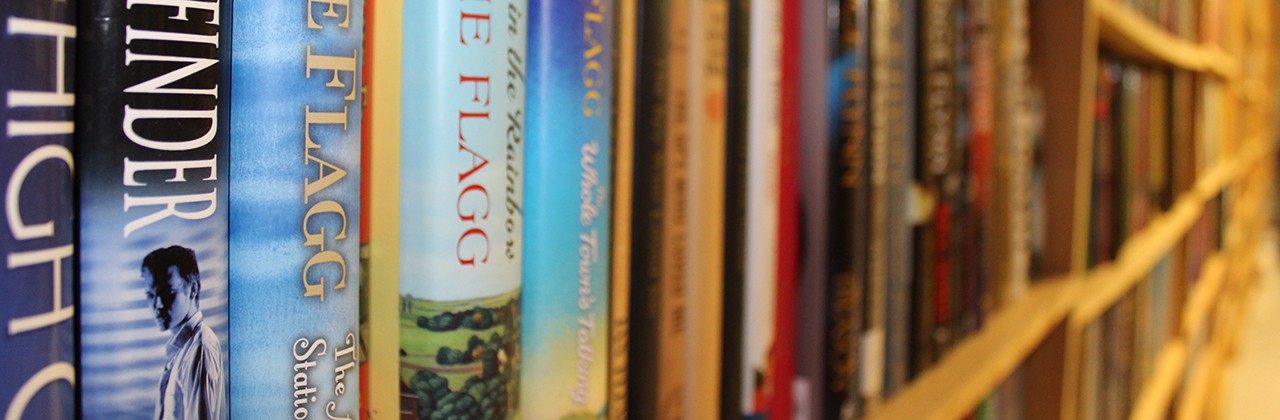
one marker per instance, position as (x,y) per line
(1195,394)
(971,371)
(1158,391)
(1202,297)
(1132,35)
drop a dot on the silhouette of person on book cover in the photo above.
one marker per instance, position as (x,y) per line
(193,386)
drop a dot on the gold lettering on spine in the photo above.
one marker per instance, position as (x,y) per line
(325,223)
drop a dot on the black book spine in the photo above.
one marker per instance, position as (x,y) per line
(647,209)
(935,170)
(152,166)
(735,207)
(848,211)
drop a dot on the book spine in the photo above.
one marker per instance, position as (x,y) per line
(383,97)
(624,57)
(568,177)
(672,268)
(950,234)
(1101,247)
(462,204)
(976,276)
(848,129)
(784,356)
(151,157)
(736,174)
(1011,235)
(901,50)
(705,193)
(936,170)
(37,238)
(816,149)
(760,283)
(653,61)
(295,211)
(366,190)
(873,337)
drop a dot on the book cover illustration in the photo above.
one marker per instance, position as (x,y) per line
(462,204)
(37,232)
(567,202)
(152,166)
(295,208)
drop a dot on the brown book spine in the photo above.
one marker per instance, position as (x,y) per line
(671,321)
(623,193)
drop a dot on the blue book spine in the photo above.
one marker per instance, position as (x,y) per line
(462,207)
(295,208)
(151,162)
(37,377)
(567,202)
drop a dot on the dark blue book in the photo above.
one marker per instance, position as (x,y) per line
(151,160)
(37,232)
(295,207)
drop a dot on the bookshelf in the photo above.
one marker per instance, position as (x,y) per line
(1044,329)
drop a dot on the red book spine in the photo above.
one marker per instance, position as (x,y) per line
(788,212)
(366,155)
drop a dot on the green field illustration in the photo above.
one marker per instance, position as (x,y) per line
(460,359)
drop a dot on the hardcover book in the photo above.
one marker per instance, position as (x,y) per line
(295,208)
(657,278)
(624,53)
(568,177)
(939,177)
(462,207)
(738,76)
(704,210)
(152,167)
(38,377)
(815,151)
(760,282)
(847,132)
(383,40)
(896,54)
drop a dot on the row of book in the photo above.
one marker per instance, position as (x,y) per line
(1147,149)
(165,195)
(172,166)
(658,209)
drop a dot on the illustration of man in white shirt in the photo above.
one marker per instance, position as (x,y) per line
(194,385)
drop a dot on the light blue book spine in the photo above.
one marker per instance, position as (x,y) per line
(568,178)
(462,207)
(295,208)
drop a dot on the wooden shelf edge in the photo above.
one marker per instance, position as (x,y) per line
(1158,391)
(1135,36)
(1203,295)
(971,371)
(1191,403)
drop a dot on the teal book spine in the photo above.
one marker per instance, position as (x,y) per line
(295,121)
(462,208)
(567,201)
